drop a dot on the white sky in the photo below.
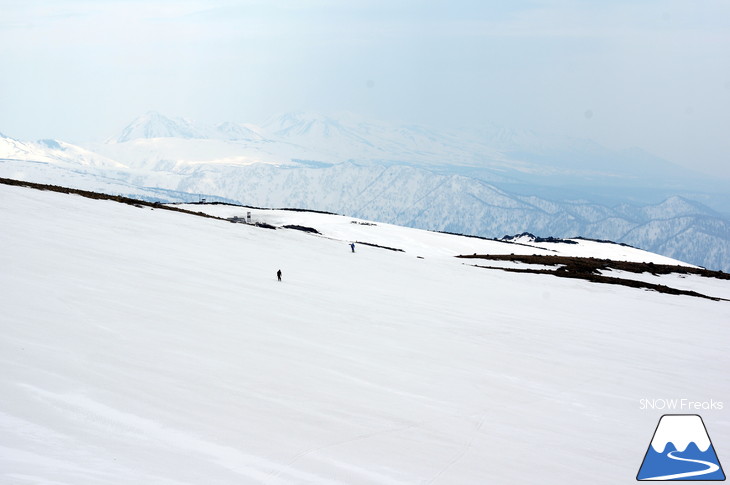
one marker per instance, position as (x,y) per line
(648,73)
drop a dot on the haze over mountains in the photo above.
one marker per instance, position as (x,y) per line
(488,181)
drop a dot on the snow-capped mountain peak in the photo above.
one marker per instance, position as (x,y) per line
(238,132)
(154,125)
(304,124)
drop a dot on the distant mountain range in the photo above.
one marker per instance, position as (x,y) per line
(484,181)
(155,125)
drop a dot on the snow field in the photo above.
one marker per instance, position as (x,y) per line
(421,242)
(147,346)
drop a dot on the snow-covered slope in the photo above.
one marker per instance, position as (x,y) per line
(463,182)
(56,162)
(54,151)
(420,198)
(139,345)
(451,179)
(427,243)
(402,195)
(97,180)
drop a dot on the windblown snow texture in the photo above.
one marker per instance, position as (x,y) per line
(140,345)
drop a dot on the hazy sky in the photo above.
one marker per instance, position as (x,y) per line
(648,73)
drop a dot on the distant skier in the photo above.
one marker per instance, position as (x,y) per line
(352,246)
(278,275)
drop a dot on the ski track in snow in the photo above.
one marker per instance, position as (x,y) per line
(463,450)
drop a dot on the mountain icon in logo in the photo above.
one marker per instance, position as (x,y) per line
(681,450)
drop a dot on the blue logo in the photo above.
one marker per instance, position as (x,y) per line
(681,450)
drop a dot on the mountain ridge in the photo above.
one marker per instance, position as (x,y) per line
(262,170)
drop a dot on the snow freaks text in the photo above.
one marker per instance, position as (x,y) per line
(680,405)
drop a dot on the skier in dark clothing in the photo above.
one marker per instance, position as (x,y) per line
(352,246)
(278,275)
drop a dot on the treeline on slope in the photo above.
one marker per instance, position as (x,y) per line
(594,265)
(589,269)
